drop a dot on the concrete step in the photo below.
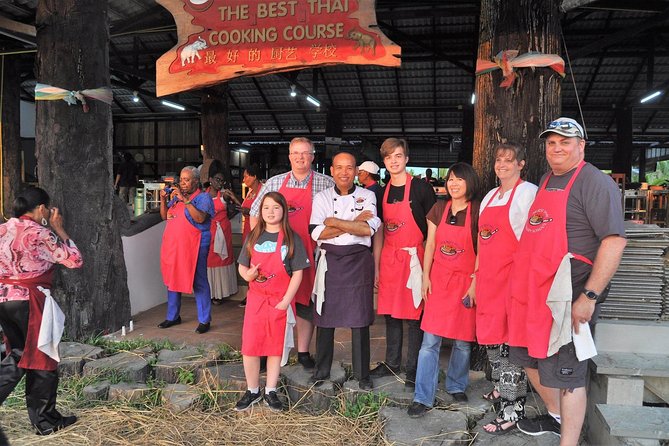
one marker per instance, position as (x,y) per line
(632,364)
(635,422)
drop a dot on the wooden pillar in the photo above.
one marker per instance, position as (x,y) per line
(622,157)
(642,164)
(74,161)
(467,148)
(215,125)
(520,113)
(10,132)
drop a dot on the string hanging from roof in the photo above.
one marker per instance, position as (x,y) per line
(44,92)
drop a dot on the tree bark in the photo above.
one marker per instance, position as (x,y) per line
(10,132)
(74,161)
(215,126)
(520,113)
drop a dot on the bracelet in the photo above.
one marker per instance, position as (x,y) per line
(187,202)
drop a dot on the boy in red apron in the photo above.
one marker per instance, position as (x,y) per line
(299,186)
(406,202)
(574,235)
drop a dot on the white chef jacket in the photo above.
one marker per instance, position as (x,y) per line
(329,203)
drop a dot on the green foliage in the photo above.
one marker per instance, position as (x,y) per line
(185,376)
(364,405)
(17,399)
(112,347)
(660,176)
(228,353)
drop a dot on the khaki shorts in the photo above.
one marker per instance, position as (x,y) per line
(563,370)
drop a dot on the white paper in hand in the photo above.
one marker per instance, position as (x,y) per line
(583,342)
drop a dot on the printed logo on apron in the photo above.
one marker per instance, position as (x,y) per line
(451,250)
(294,208)
(487,232)
(537,221)
(262,278)
(393,226)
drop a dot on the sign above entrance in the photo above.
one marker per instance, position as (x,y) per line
(224,39)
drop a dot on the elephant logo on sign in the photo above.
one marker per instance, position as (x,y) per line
(190,52)
(365,42)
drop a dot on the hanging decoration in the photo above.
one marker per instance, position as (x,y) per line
(509,60)
(45,92)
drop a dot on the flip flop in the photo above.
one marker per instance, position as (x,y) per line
(499,430)
(489,396)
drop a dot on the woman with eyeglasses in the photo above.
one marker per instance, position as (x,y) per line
(29,251)
(502,218)
(448,265)
(221,270)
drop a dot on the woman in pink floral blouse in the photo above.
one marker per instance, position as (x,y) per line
(29,251)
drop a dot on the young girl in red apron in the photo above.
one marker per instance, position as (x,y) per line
(448,265)
(269,314)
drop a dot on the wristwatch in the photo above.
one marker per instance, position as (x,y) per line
(591,295)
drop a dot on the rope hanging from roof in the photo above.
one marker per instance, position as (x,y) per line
(509,60)
(45,92)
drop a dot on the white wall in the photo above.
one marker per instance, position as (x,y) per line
(142,260)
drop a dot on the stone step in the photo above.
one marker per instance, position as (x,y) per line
(73,356)
(436,427)
(635,422)
(632,364)
(128,366)
(632,336)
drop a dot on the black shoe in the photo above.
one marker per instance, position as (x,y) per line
(273,402)
(63,423)
(242,304)
(248,400)
(203,328)
(168,323)
(366,384)
(305,359)
(460,397)
(417,410)
(318,381)
(540,425)
(383,369)
(216,301)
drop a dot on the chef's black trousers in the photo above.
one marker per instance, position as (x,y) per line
(325,352)
(41,385)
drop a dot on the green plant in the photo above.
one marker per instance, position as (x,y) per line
(185,376)
(228,353)
(112,347)
(363,405)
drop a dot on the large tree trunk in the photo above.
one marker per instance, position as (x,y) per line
(215,124)
(10,132)
(74,160)
(520,113)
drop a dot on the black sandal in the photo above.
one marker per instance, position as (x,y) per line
(499,430)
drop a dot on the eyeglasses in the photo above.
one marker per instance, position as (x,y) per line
(452,220)
(300,154)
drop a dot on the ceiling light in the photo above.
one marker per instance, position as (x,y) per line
(651,96)
(173,105)
(473,98)
(293,93)
(240,150)
(314,101)
(135,96)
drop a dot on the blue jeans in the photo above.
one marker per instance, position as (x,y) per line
(427,375)
(200,289)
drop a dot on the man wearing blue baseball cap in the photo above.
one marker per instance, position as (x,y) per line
(570,248)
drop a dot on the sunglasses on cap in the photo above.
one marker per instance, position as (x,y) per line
(565,127)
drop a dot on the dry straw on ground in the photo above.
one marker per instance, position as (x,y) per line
(160,427)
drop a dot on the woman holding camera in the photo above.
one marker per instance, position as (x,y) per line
(448,267)
(29,251)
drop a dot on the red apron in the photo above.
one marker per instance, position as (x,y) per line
(265,326)
(399,231)
(246,204)
(179,249)
(33,358)
(452,267)
(496,245)
(220,218)
(541,249)
(299,213)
